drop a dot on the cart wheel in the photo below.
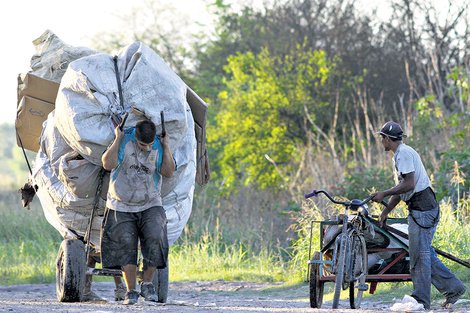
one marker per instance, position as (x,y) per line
(70,271)
(316,285)
(160,281)
(359,268)
(340,265)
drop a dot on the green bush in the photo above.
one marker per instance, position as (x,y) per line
(360,183)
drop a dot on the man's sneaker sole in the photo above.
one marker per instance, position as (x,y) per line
(120,293)
(147,291)
(448,303)
(132,296)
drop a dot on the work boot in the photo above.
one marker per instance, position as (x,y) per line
(147,291)
(449,302)
(91,296)
(120,292)
(131,297)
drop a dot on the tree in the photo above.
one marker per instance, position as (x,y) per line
(154,24)
(261,125)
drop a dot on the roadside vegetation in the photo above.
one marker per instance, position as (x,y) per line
(297,89)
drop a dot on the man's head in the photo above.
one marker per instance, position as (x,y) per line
(391,134)
(145,132)
(392,130)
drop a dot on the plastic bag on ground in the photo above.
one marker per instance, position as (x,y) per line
(407,304)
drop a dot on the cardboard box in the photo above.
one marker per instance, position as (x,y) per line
(199,110)
(31,114)
(36,87)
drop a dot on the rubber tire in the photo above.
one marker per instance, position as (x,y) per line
(160,281)
(355,295)
(340,265)
(70,271)
(316,285)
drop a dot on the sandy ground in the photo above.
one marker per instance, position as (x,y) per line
(214,296)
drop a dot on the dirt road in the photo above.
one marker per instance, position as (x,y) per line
(214,296)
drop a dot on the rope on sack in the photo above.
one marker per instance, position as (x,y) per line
(103,171)
(29,189)
(121,99)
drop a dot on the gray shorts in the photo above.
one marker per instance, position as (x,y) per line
(121,232)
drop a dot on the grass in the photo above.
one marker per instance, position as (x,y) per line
(29,246)
(209,259)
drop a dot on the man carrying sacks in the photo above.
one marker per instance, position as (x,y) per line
(137,159)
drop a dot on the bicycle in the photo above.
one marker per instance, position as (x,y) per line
(349,260)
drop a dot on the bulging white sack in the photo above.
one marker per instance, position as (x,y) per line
(178,191)
(65,212)
(82,125)
(77,174)
(53,56)
(88,103)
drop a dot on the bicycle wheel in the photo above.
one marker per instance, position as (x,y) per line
(340,266)
(316,286)
(359,270)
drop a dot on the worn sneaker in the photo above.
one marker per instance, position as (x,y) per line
(120,293)
(131,297)
(147,291)
(448,303)
(91,296)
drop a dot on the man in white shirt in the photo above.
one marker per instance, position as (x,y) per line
(414,187)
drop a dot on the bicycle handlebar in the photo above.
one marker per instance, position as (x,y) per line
(347,203)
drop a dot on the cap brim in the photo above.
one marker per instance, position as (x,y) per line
(382,133)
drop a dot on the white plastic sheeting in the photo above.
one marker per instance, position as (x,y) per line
(82,125)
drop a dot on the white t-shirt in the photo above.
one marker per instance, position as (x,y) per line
(406,160)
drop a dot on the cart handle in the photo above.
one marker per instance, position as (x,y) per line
(355,202)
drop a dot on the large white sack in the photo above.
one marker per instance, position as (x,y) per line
(65,212)
(63,209)
(53,56)
(77,174)
(52,144)
(178,191)
(179,185)
(88,105)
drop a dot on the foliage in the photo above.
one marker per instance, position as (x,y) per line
(14,169)
(29,248)
(260,119)
(29,244)
(359,184)
(153,24)
(212,259)
(454,157)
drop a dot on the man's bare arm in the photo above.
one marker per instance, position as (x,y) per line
(168,163)
(394,200)
(110,156)
(407,184)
